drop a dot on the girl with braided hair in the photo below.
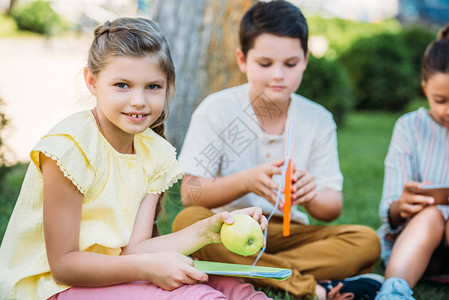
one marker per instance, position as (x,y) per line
(82,227)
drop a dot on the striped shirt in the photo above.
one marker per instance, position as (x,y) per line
(418,151)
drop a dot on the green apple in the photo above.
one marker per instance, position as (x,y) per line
(244,236)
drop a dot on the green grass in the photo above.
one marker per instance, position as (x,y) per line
(363,144)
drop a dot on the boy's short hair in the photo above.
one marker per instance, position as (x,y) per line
(276,17)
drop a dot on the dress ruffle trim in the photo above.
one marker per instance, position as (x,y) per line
(165,170)
(83,149)
(65,172)
(168,184)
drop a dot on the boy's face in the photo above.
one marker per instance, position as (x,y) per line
(273,67)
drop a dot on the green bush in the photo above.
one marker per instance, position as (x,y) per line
(416,39)
(380,72)
(9,191)
(342,33)
(3,123)
(38,16)
(327,83)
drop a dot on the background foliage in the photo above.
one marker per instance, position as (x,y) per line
(416,38)
(380,71)
(341,34)
(338,94)
(3,123)
(366,66)
(367,78)
(38,16)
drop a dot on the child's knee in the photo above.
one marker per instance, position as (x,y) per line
(190,215)
(368,242)
(431,214)
(197,291)
(429,220)
(367,236)
(366,252)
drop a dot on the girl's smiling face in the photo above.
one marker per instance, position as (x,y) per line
(130,92)
(436,89)
(274,66)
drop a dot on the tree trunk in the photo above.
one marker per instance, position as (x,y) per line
(11,5)
(203,37)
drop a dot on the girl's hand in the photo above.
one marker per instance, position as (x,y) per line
(170,270)
(303,187)
(259,180)
(254,212)
(215,222)
(409,204)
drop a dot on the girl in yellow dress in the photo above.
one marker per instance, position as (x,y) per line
(82,227)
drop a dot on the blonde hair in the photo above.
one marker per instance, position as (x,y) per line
(135,37)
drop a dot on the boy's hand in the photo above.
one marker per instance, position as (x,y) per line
(259,180)
(303,187)
(409,204)
(215,222)
(170,270)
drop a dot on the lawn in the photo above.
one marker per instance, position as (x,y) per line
(363,144)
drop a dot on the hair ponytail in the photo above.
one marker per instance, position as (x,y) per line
(158,126)
(443,34)
(436,57)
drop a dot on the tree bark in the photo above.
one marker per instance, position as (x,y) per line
(203,37)
(11,5)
